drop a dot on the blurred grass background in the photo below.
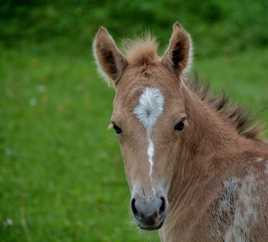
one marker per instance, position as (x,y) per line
(61,174)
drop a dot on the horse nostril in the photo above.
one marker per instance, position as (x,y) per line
(163,205)
(133,207)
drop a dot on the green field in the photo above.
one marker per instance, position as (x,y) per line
(61,175)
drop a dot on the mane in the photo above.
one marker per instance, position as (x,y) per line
(142,50)
(236,115)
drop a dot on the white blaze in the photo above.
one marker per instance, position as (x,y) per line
(148,109)
(150,153)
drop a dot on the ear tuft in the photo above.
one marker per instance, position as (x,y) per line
(178,25)
(178,56)
(111,63)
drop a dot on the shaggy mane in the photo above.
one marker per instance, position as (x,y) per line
(141,51)
(236,115)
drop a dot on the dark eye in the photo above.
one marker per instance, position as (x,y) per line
(117,129)
(180,125)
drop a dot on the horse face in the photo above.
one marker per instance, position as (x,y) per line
(149,122)
(148,116)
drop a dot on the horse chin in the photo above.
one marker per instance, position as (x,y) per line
(151,227)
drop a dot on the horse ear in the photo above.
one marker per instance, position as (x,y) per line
(178,56)
(111,63)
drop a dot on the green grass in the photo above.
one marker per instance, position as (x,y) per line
(61,175)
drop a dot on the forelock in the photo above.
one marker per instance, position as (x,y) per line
(141,51)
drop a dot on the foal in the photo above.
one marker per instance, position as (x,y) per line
(196,168)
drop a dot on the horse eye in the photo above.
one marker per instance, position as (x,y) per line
(179,126)
(117,129)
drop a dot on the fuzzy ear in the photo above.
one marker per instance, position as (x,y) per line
(111,63)
(178,56)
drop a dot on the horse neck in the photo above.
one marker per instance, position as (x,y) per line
(204,140)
